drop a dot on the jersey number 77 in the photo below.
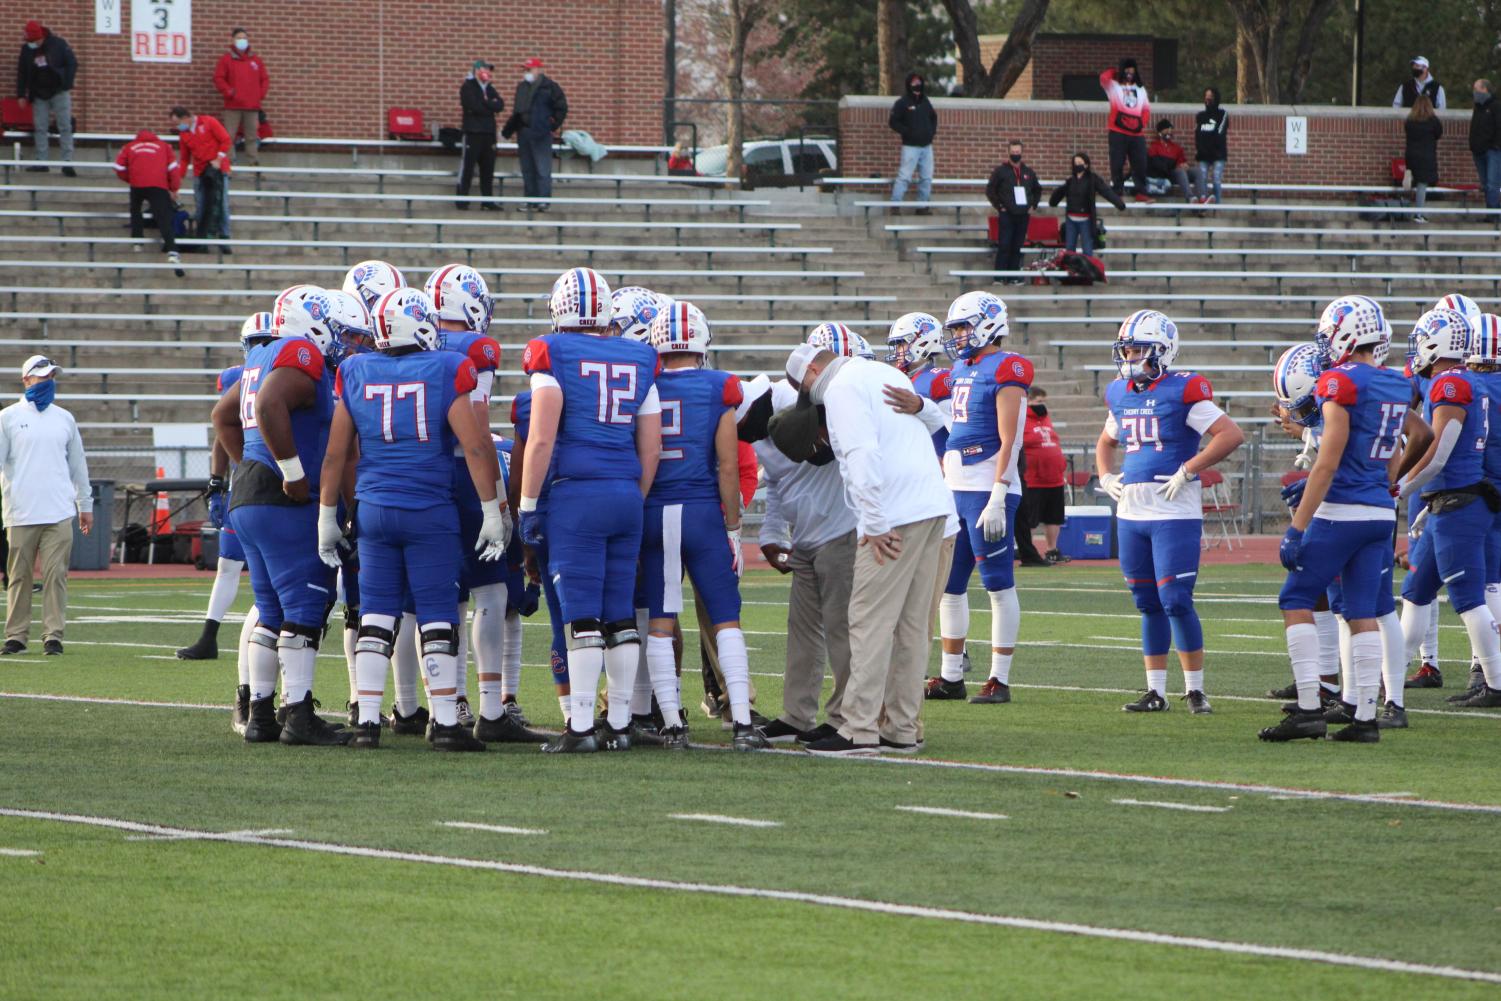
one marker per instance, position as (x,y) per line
(389,394)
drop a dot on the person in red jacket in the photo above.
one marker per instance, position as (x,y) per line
(241,77)
(1130,110)
(1042,484)
(154,175)
(1165,158)
(203,147)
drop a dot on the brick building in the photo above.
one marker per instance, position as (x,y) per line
(1067,66)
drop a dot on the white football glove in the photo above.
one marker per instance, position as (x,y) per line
(737,555)
(329,535)
(993,518)
(1113,484)
(1304,459)
(1178,482)
(494,532)
(1415,530)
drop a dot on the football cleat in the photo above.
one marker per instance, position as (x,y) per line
(1296,726)
(1150,702)
(240,715)
(714,706)
(1339,713)
(964,661)
(1427,676)
(454,737)
(466,715)
(569,742)
(505,729)
(749,737)
(304,727)
(780,732)
(611,739)
(675,738)
(414,725)
(1361,731)
(645,732)
(1290,692)
(365,735)
(205,647)
(993,692)
(513,710)
(1475,683)
(261,723)
(938,689)
(1198,703)
(1486,698)
(353,709)
(1392,717)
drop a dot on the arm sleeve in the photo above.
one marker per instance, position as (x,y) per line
(544,380)
(122,170)
(774,528)
(749,473)
(933,418)
(265,75)
(221,76)
(1397,101)
(1059,193)
(301,355)
(1108,192)
(1447,439)
(1443,101)
(852,435)
(78,471)
(471,99)
(559,105)
(69,69)
(484,384)
(993,190)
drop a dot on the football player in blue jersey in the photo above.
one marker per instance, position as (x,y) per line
(1450,476)
(369,280)
(1158,416)
(692,523)
(594,403)
(988,395)
(273,420)
(1485,362)
(401,411)
(1343,525)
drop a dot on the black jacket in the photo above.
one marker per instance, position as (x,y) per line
(1000,190)
(481,105)
(539,108)
(1080,191)
(35,82)
(913,117)
(1209,135)
(1485,127)
(1410,91)
(1422,149)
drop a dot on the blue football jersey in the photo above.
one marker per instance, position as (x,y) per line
(309,424)
(974,387)
(400,404)
(1152,423)
(1375,400)
(521,421)
(1459,387)
(935,384)
(693,402)
(1492,461)
(604,381)
(228,377)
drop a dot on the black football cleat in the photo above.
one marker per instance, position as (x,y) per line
(304,727)
(749,737)
(1297,725)
(645,732)
(1472,687)
(1150,702)
(611,739)
(506,729)
(1392,717)
(455,737)
(675,738)
(1198,703)
(261,723)
(414,725)
(366,735)
(1427,676)
(569,742)
(1339,714)
(1486,698)
(466,715)
(513,709)
(939,690)
(1290,692)
(206,646)
(240,716)
(993,693)
(1361,731)
(964,663)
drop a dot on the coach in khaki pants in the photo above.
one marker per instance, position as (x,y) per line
(903,513)
(44,481)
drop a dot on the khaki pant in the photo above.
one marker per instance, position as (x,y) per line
(818,629)
(250,119)
(890,611)
(55,545)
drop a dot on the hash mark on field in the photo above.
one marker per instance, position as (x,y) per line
(938,811)
(492,828)
(18,853)
(191,837)
(715,818)
(1160,804)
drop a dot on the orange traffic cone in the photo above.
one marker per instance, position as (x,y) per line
(161,520)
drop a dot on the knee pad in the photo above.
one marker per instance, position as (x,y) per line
(295,636)
(351,616)
(620,633)
(261,636)
(1144,593)
(440,638)
(586,634)
(374,639)
(1177,598)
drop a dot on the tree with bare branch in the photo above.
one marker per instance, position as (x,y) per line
(1261,28)
(891,44)
(1009,62)
(743,14)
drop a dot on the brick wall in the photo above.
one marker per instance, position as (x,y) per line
(1345,145)
(1053,56)
(336,65)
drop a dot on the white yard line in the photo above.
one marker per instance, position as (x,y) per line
(18,853)
(1233,698)
(491,828)
(716,818)
(938,811)
(1161,805)
(793,896)
(266,832)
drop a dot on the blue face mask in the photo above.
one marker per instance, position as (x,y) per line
(42,393)
(184,126)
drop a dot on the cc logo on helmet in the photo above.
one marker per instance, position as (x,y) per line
(362,275)
(413,308)
(924,326)
(991,308)
(471,285)
(317,308)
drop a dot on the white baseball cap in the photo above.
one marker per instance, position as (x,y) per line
(39,365)
(754,390)
(798,362)
(1420,61)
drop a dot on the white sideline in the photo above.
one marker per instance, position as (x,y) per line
(938,811)
(491,828)
(1162,805)
(790,896)
(719,818)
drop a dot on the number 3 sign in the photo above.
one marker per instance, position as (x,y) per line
(161,31)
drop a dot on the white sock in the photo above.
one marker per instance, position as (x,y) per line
(1157,682)
(565,706)
(1327,624)
(1430,636)
(404,666)
(487,640)
(510,654)
(1365,649)
(461,680)
(641,689)
(1493,600)
(585,665)
(263,666)
(1414,629)
(1393,663)
(734,661)
(243,649)
(951,666)
(1193,681)
(1485,642)
(621,663)
(442,670)
(226,586)
(953,624)
(1346,661)
(664,679)
(296,667)
(1304,650)
(370,670)
(1000,667)
(351,635)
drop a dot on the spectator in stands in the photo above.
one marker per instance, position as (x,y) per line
(1043,477)
(1210,148)
(1014,191)
(539,110)
(680,162)
(1422,82)
(44,79)
(1485,142)
(1423,132)
(203,147)
(1127,125)
(1165,158)
(1078,195)
(154,175)
(241,77)
(481,103)
(44,482)
(913,118)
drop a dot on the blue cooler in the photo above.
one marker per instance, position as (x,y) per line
(1088,533)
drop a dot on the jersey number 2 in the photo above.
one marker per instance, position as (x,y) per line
(612,397)
(389,394)
(672,427)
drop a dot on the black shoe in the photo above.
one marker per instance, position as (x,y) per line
(757,719)
(466,715)
(897,747)
(1028,561)
(1150,702)
(12,646)
(1339,714)
(939,690)
(69,172)
(645,732)
(505,730)
(822,731)
(924,211)
(206,646)
(1392,717)
(455,737)
(1361,731)
(569,742)
(489,207)
(1427,676)
(993,692)
(240,715)
(52,648)
(414,725)
(749,737)
(261,723)
(839,746)
(513,710)
(353,710)
(675,738)
(37,169)
(714,706)
(304,727)
(227,251)
(1297,726)
(1056,555)
(611,739)
(461,206)
(1486,698)
(780,732)
(1198,703)
(366,735)
(1472,687)
(1290,692)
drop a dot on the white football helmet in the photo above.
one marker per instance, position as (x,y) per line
(305,311)
(1485,344)
(1294,379)
(835,337)
(459,293)
(863,348)
(404,317)
(913,340)
(1348,324)
(1439,334)
(255,330)
(581,301)
(1150,329)
(975,320)
(351,325)
(632,309)
(372,279)
(680,326)
(1464,306)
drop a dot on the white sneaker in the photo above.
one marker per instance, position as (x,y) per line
(173,257)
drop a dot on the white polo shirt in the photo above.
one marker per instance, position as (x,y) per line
(43,476)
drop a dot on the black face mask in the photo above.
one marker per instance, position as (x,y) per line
(1417,74)
(1039,410)
(1211,105)
(1016,158)
(1079,169)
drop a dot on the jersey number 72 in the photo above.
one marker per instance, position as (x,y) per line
(612,397)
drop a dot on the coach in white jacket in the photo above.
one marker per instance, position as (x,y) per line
(903,514)
(44,482)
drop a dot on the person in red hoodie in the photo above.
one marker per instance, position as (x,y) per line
(154,175)
(1166,158)
(1042,484)
(241,77)
(203,147)
(1130,109)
